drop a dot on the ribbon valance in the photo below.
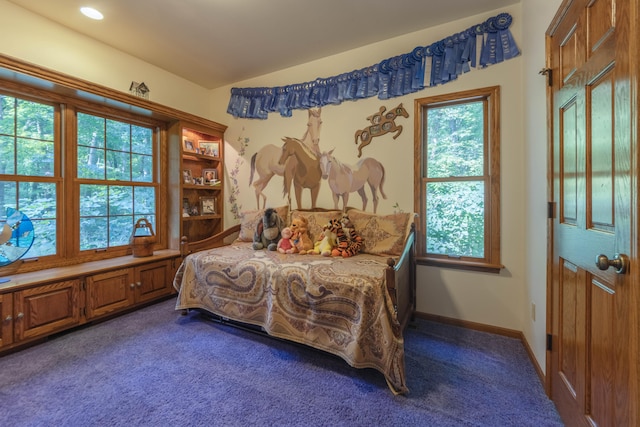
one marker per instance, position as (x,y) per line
(484,44)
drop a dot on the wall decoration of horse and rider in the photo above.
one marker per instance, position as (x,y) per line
(303,165)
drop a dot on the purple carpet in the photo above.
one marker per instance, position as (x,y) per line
(154,367)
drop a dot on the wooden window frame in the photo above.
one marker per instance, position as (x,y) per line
(491,261)
(73,186)
(68,185)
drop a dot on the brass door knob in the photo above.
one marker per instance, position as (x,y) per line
(620,262)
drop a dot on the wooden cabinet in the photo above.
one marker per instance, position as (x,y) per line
(116,290)
(109,292)
(34,305)
(6,319)
(46,309)
(152,281)
(196,171)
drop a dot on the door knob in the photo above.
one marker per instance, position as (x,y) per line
(620,262)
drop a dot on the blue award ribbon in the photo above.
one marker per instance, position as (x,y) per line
(436,64)
(372,81)
(509,48)
(417,81)
(383,79)
(484,44)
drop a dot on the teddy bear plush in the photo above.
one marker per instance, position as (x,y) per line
(301,239)
(268,230)
(285,244)
(328,240)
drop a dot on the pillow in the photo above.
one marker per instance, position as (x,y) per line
(249,221)
(382,234)
(317,220)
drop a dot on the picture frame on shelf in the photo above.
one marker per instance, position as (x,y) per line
(187,178)
(185,207)
(188,146)
(210,176)
(209,148)
(208,205)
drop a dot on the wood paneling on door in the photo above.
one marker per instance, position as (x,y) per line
(592,46)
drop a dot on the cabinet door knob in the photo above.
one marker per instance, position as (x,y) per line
(8,319)
(139,284)
(132,286)
(20,315)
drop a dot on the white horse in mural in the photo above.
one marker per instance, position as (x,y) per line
(266,161)
(344,179)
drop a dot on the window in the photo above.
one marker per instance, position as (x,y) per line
(83,203)
(115,171)
(29,174)
(458,156)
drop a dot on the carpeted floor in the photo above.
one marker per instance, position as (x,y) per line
(154,367)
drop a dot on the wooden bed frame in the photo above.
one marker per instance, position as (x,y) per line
(364,336)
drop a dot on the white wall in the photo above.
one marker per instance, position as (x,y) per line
(493,299)
(535,121)
(37,40)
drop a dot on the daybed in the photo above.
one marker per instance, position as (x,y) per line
(355,307)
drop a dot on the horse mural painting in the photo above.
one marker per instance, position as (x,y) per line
(381,123)
(344,179)
(307,173)
(266,161)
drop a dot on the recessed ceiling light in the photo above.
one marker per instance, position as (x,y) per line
(91,13)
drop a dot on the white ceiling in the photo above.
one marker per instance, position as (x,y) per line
(214,43)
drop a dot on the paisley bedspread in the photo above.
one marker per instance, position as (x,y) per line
(339,305)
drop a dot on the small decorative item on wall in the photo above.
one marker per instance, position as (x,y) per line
(382,122)
(208,205)
(188,146)
(139,89)
(209,148)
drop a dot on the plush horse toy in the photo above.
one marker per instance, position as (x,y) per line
(268,230)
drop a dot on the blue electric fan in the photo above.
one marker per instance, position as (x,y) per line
(16,237)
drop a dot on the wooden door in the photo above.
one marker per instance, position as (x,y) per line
(152,281)
(46,309)
(6,319)
(594,312)
(109,292)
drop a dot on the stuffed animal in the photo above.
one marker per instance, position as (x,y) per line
(268,230)
(301,239)
(285,245)
(349,242)
(327,241)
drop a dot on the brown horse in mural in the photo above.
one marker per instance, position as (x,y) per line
(344,179)
(306,174)
(265,161)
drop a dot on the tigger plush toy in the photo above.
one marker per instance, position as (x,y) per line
(349,242)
